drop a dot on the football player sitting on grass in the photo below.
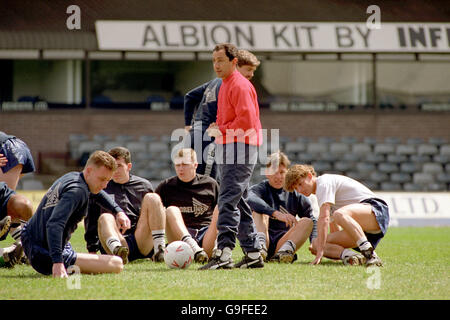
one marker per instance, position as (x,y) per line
(189,200)
(275,210)
(141,234)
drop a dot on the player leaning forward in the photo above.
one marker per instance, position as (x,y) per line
(362,217)
(45,237)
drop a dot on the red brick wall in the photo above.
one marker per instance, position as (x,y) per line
(49,131)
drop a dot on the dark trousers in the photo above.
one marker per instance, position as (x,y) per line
(236,163)
(204,148)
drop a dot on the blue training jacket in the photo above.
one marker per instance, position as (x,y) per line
(203,101)
(61,209)
(264,199)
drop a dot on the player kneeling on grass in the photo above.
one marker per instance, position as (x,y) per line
(15,161)
(45,237)
(190,202)
(363,217)
(138,238)
(275,211)
(14,208)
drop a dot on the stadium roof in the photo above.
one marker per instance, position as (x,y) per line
(41,24)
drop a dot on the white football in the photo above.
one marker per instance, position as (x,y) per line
(178,255)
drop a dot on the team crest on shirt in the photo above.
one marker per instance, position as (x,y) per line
(198,208)
(52,197)
(210,94)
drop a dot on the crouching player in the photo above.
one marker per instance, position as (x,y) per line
(363,217)
(45,237)
(14,208)
(275,211)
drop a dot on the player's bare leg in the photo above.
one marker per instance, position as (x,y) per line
(110,237)
(336,243)
(210,237)
(176,230)
(12,176)
(293,240)
(150,230)
(355,219)
(339,247)
(94,263)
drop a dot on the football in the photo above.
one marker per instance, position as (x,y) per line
(178,255)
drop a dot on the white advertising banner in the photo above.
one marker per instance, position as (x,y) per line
(417,204)
(418,208)
(272,36)
(412,208)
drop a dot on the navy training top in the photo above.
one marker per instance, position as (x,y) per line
(61,209)
(265,199)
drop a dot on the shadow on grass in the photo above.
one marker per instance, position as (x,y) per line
(23,276)
(324,262)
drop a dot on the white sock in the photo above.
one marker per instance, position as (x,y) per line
(191,242)
(226,254)
(261,236)
(288,246)
(112,243)
(158,238)
(254,255)
(347,253)
(16,233)
(363,244)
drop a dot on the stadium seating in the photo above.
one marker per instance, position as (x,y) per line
(396,158)
(406,149)
(317,147)
(136,146)
(387,167)
(400,177)
(74,142)
(384,148)
(349,140)
(361,148)
(409,167)
(390,186)
(412,164)
(124,138)
(445,150)
(427,149)
(295,146)
(339,148)
(432,167)
(112,144)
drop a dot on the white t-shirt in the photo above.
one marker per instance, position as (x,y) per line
(340,190)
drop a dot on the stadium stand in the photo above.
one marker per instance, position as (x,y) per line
(392,165)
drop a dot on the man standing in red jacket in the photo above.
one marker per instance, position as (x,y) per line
(238,135)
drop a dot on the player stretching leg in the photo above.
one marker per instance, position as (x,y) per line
(363,217)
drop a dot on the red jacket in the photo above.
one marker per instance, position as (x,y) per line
(238,111)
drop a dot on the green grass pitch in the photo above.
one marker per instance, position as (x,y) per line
(417,266)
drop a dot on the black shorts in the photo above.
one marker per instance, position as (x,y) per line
(39,257)
(133,249)
(198,234)
(5,194)
(381,211)
(17,152)
(134,253)
(274,237)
